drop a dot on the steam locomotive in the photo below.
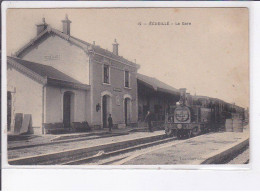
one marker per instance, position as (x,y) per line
(194,115)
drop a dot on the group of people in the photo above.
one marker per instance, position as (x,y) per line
(148,119)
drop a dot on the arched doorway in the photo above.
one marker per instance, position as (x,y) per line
(68,108)
(9,110)
(106,109)
(127,110)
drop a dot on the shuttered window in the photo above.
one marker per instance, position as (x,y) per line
(127,79)
(106,74)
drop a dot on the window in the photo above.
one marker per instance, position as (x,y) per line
(127,79)
(106,74)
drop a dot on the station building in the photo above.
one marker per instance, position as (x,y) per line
(58,78)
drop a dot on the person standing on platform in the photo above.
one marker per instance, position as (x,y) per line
(110,122)
(148,119)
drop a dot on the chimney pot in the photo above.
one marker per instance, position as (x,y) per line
(115,47)
(41,27)
(66,25)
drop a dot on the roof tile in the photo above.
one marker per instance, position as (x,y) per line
(45,70)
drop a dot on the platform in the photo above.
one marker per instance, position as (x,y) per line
(31,139)
(205,149)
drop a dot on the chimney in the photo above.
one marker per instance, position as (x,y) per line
(66,25)
(41,27)
(183,98)
(115,47)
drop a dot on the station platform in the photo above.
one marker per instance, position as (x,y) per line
(211,148)
(31,139)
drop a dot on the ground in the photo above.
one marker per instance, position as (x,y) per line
(173,151)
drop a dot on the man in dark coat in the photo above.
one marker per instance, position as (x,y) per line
(110,122)
(148,119)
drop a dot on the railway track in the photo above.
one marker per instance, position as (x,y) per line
(87,154)
(241,156)
(120,152)
(103,155)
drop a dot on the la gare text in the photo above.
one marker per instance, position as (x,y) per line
(167,23)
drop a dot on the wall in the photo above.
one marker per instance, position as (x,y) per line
(26,96)
(62,55)
(115,88)
(73,61)
(54,105)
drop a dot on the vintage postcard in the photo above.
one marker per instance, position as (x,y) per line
(127,86)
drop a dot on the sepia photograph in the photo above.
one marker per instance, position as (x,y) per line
(127,86)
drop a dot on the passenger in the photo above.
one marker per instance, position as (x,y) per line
(148,119)
(110,122)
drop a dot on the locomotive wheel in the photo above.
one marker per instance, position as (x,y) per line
(189,134)
(179,134)
(186,134)
(195,131)
(169,132)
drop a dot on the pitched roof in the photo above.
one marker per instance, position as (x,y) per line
(105,52)
(157,84)
(81,43)
(53,76)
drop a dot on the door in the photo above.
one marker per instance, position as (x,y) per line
(9,110)
(104,109)
(66,109)
(126,111)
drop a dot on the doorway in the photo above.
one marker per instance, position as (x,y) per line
(67,109)
(106,107)
(9,110)
(127,111)
(104,111)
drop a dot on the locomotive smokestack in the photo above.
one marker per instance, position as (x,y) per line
(183,98)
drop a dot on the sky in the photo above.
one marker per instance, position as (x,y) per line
(209,57)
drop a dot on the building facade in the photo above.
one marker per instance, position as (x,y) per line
(57,78)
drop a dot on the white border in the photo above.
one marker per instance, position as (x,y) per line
(33,177)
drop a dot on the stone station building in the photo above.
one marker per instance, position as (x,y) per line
(59,79)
